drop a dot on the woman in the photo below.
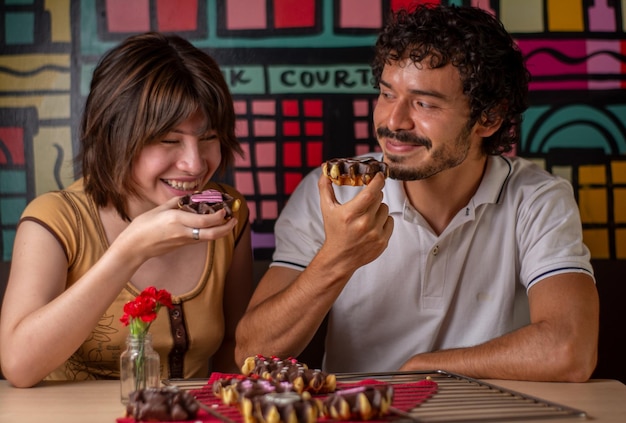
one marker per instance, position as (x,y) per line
(158,124)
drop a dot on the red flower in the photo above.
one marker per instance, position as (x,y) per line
(142,311)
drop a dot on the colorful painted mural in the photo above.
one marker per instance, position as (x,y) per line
(299,73)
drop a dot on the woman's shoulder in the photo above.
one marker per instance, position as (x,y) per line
(72,198)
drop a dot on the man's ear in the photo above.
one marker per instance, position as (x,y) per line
(489,122)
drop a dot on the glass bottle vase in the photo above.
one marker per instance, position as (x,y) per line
(140,366)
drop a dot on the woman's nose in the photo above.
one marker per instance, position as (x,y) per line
(191,159)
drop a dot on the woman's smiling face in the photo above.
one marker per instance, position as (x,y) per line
(179,164)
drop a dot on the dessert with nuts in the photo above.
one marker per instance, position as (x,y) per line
(290,370)
(354,171)
(359,403)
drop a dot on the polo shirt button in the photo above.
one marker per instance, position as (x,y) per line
(436,250)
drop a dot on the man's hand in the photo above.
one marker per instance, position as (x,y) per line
(358,230)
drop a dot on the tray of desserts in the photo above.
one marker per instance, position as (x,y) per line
(264,393)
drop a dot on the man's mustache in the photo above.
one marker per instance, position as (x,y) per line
(403,136)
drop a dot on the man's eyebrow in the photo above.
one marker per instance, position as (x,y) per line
(434,94)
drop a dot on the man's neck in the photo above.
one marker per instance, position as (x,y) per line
(439,198)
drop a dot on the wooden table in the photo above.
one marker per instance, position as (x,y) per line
(604,401)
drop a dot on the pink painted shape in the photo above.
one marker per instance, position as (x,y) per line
(360,149)
(601,17)
(604,63)
(269,210)
(246,14)
(360,107)
(125,16)
(252,217)
(265,153)
(361,131)
(245,160)
(252,209)
(267,182)
(360,14)
(244,182)
(241,128)
(264,127)
(264,107)
(484,4)
(241,107)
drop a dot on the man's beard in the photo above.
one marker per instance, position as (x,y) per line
(441,159)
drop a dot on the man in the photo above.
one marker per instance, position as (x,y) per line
(434,276)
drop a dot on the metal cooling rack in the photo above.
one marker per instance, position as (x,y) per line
(463,399)
(459,399)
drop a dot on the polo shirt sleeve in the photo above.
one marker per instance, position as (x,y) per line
(549,233)
(299,230)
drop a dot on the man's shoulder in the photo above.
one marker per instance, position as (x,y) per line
(527,172)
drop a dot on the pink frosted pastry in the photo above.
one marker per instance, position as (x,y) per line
(208,202)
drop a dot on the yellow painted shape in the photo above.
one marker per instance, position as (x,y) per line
(48,80)
(597,240)
(619,205)
(620,243)
(565,16)
(46,154)
(618,171)
(30,62)
(592,174)
(522,16)
(59,20)
(48,107)
(592,205)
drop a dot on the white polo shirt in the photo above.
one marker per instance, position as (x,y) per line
(428,292)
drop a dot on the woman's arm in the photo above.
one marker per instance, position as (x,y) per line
(43,323)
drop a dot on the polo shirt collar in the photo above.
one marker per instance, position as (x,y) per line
(490,190)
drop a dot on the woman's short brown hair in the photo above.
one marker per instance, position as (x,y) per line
(140,91)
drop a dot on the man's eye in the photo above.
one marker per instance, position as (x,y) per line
(169,141)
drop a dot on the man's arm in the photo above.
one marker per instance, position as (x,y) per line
(288,306)
(560,344)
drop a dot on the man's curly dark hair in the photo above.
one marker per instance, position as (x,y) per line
(490,64)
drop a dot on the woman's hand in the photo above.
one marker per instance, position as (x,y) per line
(166,227)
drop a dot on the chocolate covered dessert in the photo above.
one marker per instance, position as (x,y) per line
(161,404)
(290,370)
(354,171)
(360,403)
(209,201)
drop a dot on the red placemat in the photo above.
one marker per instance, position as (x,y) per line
(406,396)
